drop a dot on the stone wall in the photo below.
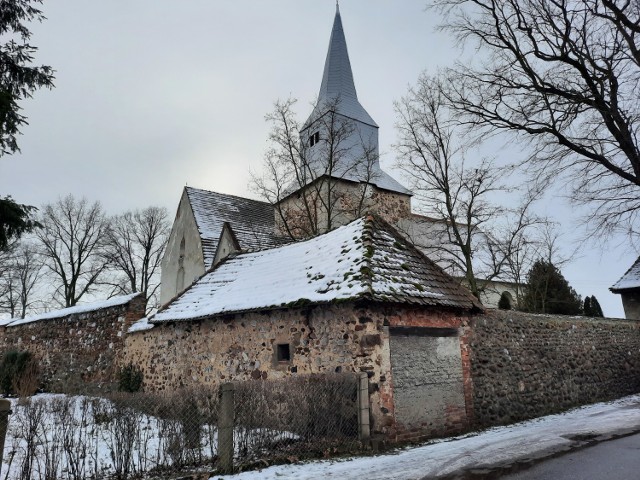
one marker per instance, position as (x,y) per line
(327,338)
(304,213)
(525,365)
(76,351)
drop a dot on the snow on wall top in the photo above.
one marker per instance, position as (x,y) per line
(63,312)
(631,279)
(365,259)
(252,221)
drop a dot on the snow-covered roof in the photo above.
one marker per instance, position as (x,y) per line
(140,326)
(372,174)
(337,85)
(631,279)
(252,221)
(64,312)
(366,259)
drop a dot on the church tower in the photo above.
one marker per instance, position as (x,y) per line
(341,174)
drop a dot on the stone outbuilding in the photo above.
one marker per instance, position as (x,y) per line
(629,289)
(357,299)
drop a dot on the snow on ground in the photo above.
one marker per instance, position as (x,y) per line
(501,445)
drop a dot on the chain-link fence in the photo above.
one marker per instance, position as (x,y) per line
(312,415)
(140,435)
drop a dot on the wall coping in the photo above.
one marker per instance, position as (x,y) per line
(66,312)
(514,315)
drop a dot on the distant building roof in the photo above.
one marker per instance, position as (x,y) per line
(63,312)
(366,259)
(252,221)
(631,279)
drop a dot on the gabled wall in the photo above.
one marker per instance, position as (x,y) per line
(191,259)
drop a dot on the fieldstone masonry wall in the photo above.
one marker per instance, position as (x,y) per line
(343,337)
(525,366)
(76,352)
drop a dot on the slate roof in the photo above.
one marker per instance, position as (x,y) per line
(252,221)
(364,260)
(337,80)
(631,279)
(375,176)
(338,92)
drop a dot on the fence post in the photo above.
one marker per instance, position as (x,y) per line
(225,428)
(364,430)
(5,410)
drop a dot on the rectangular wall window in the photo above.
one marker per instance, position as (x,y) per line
(283,352)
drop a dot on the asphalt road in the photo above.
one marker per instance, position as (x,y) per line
(611,460)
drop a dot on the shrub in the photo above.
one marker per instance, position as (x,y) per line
(130,378)
(14,366)
(505,302)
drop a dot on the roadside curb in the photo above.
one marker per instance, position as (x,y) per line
(578,442)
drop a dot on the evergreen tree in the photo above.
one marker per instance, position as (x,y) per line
(596,310)
(588,311)
(19,79)
(15,219)
(549,292)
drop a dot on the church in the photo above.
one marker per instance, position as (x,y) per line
(333,177)
(318,280)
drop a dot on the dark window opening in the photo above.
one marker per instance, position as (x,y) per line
(315,138)
(283,352)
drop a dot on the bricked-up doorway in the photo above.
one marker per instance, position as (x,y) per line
(428,391)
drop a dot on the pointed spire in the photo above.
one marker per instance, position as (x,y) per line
(337,79)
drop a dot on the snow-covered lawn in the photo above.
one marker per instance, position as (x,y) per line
(83,437)
(502,445)
(77,437)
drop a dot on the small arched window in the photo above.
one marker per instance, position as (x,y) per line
(180,276)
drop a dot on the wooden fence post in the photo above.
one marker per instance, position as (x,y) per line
(225,428)
(364,429)
(5,410)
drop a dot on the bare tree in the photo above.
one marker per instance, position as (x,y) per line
(20,268)
(291,167)
(469,233)
(72,237)
(564,76)
(134,245)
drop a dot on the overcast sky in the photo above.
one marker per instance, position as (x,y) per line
(152,95)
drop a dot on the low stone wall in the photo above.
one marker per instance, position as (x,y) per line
(343,337)
(76,348)
(525,366)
